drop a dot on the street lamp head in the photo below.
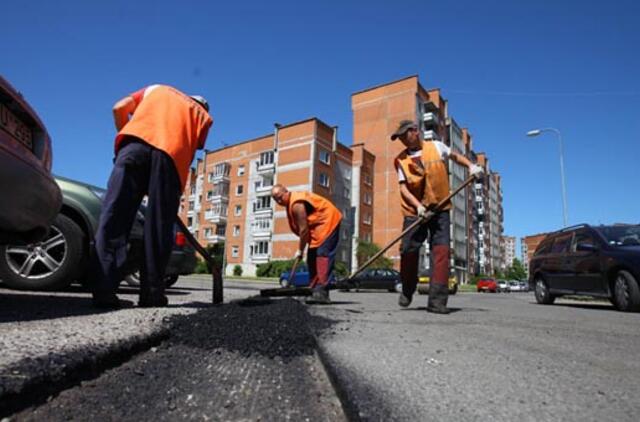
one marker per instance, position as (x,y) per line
(534,132)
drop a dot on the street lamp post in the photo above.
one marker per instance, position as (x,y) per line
(537,132)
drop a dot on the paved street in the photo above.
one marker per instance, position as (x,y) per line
(497,357)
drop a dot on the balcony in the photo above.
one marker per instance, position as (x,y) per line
(430,135)
(215,216)
(261,230)
(260,258)
(218,197)
(263,212)
(265,168)
(430,119)
(263,189)
(478,198)
(214,238)
(429,106)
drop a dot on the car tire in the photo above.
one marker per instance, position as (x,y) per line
(543,296)
(284,282)
(53,263)
(397,288)
(626,294)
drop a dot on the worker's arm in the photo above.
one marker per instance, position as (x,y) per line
(409,197)
(300,215)
(474,169)
(122,110)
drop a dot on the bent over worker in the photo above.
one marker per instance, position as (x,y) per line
(424,181)
(159,130)
(316,221)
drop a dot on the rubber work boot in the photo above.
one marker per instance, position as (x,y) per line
(438,296)
(409,277)
(106,301)
(152,298)
(318,297)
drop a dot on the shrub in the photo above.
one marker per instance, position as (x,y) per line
(202,268)
(237,270)
(275,268)
(368,249)
(341,269)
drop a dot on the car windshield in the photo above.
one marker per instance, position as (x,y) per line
(621,235)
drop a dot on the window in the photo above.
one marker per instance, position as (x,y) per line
(266,158)
(191,205)
(367,179)
(235,251)
(324,180)
(262,203)
(367,198)
(367,219)
(238,210)
(193,190)
(325,156)
(239,189)
(241,170)
(346,193)
(261,248)
(208,232)
(221,169)
(581,238)
(209,177)
(209,194)
(221,229)
(261,225)
(190,222)
(561,243)
(236,231)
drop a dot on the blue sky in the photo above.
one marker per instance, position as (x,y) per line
(506,67)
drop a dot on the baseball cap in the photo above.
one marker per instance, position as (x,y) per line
(201,100)
(403,127)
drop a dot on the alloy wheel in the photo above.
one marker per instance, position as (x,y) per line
(38,260)
(622,291)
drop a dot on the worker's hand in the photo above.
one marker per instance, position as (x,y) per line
(476,171)
(422,211)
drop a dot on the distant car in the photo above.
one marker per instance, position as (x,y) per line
(487,285)
(377,278)
(503,286)
(62,257)
(300,278)
(31,198)
(524,286)
(599,261)
(515,286)
(423,283)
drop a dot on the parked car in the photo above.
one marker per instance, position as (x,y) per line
(487,285)
(503,286)
(423,283)
(515,286)
(524,286)
(31,198)
(377,278)
(599,261)
(63,255)
(300,278)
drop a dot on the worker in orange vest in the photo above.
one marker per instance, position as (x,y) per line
(159,131)
(316,221)
(424,181)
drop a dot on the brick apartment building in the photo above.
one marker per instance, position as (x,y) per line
(228,195)
(528,245)
(229,192)
(508,251)
(476,224)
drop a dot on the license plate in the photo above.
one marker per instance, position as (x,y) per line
(11,124)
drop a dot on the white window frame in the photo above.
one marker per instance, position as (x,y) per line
(237,210)
(241,170)
(327,156)
(327,180)
(235,251)
(368,198)
(236,231)
(239,190)
(367,219)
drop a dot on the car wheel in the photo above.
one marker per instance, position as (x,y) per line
(52,263)
(284,282)
(543,296)
(398,288)
(133,279)
(626,292)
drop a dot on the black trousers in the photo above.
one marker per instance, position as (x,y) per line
(139,170)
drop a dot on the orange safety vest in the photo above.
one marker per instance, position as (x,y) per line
(322,221)
(171,121)
(429,183)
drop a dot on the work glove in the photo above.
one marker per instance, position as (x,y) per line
(476,171)
(422,211)
(298,255)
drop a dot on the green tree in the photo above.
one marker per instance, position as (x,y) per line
(368,249)
(517,271)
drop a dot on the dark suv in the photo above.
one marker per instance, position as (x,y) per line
(600,261)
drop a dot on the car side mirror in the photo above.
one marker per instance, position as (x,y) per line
(586,247)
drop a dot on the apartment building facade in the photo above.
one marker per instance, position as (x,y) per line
(476,226)
(229,192)
(508,251)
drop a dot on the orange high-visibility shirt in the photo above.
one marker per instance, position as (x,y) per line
(322,221)
(171,121)
(427,179)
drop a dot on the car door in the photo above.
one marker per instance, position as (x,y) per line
(585,263)
(558,267)
(365,279)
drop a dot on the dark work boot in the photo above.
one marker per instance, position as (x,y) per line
(319,296)
(152,298)
(409,277)
(438,296)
